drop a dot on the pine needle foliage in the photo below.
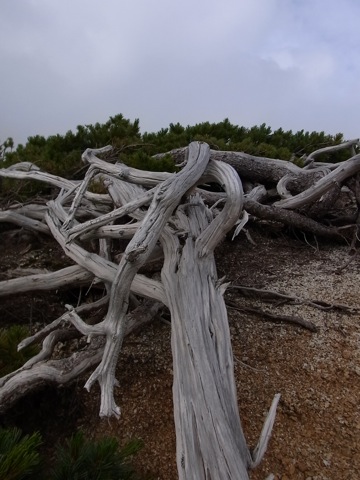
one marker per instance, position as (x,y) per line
(61,154)
(19,456)
(143,161)
(10,358)
(82,459)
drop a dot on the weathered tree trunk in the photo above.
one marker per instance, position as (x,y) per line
(171,220)
(209,437)
(210,441)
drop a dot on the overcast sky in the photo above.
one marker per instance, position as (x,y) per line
(287,63)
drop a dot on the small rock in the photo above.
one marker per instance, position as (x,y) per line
(302,467)
(291,469)
(347,354)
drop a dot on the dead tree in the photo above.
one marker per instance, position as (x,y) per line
(170,216)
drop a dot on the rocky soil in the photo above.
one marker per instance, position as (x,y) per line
(317,429)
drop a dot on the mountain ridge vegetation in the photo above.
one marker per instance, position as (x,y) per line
(61,154)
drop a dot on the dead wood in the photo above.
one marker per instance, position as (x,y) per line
(283,298)
(23,221)
(173,219)
(39,372)
(293,219)
(350,144)
(73,275)
(302,322)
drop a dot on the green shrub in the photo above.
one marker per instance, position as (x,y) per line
(77,459)
(10,358)
(143,161)
(19,456)
(82,459)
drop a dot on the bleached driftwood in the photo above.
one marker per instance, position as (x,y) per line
(173,220)
(73,275)
(188,232)
(314,192)
(39,371)
(209,437)
(23,221)
(350,144)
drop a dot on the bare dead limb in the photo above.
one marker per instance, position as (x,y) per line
(166,198)
(269,294)
(276,318)
(171,221)
(22,221)
(334,148)
(33,376)
(298,187)
(342,172)
(46,281)
(83,309)
(292,219)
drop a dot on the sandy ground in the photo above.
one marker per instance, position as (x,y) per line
(317,429)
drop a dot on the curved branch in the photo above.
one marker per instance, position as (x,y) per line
(231,211)
(37,175)
(50,372)
(293,219)
(166,198)
(55,324)
(343,171)
(22,221)
(32,376)
(100,267)
(46,281)
(331,149)
(121,171)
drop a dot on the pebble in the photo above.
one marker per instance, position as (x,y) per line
(347,354)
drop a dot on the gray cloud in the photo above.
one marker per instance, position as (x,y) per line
(288,63)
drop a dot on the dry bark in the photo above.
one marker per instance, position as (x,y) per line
(173,220)
(210,441)
(40,371)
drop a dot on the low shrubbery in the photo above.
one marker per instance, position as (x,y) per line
(77,459)
(19,455)
(10,358)
(61,154)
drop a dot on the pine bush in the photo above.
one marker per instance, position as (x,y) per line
(82,459)
(10,358)
(19,456)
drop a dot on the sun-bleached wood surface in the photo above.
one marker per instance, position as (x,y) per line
(169,218)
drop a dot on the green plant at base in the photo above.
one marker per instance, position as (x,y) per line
(97,186)
(19,457)
(82,459)
(143,161)
(10,358)
(77,459)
